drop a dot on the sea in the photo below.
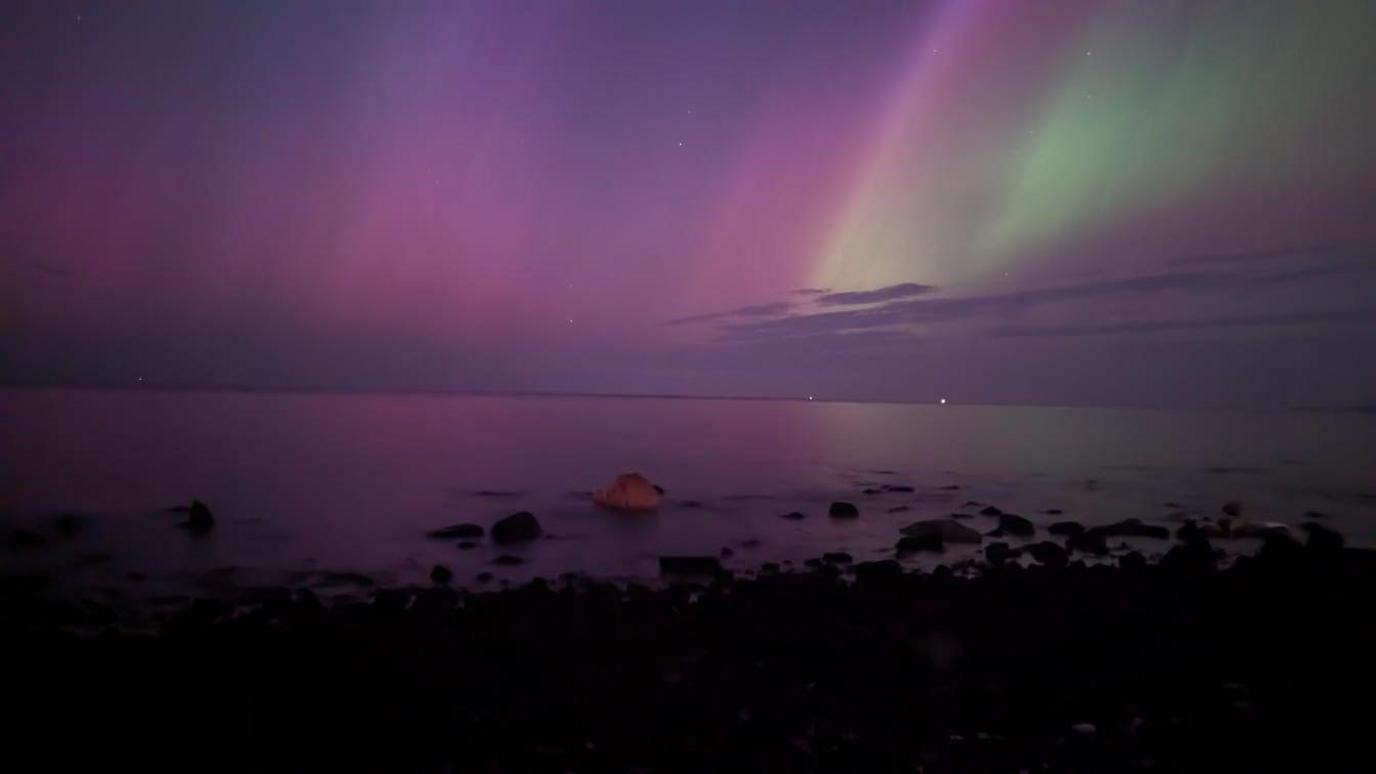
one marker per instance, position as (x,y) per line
(303,485)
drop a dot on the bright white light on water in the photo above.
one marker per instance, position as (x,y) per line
(809,397)
(943,401)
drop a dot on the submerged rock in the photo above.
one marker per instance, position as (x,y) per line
(508,560)
(630,492)
(843,510)
(949,530)
(516,528)
(456,531)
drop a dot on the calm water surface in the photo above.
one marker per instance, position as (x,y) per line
(352,482)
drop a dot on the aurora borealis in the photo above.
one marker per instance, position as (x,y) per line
(999,200)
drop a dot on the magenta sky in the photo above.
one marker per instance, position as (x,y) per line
(1164,203)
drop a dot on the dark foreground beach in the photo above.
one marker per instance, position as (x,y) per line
(1266,664)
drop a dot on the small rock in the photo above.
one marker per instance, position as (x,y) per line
(1052,511)
(516,527)
(345,579)
(727,552)
(837,557)
(27,538)
(689,565)
(897,488)
(507,560)
(1066,528)
(899,509)
(793,516)
(456,531)
(441,574)
(467,544)
(1132,560)
(962,516)
(990,510)
(1232,508)
(843,510)
(877,572)
(68,524)
(484,576)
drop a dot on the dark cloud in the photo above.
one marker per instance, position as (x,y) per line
(939,310)
(889,293)
(755,310)
(1157,326)
(1309,252)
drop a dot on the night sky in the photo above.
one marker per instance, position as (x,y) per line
(1159,203)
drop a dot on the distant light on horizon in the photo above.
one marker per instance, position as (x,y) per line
(943,401)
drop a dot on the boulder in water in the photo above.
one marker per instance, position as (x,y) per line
(516,527)
(949,530)
(630,492)
(843,510)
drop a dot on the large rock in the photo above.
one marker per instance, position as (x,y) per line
(198,518)
(1049,554)
(630,492)
(1322,538)
(998,553)
(843,510)
(516,528)
(909,544)
(1014,524)
(1134,528)
(949,530)
(1089,542)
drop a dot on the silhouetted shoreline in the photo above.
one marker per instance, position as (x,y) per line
(1178,665)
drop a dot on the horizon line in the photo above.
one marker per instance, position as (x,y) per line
(476,393)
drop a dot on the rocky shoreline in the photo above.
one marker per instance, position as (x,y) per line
(1181,664)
